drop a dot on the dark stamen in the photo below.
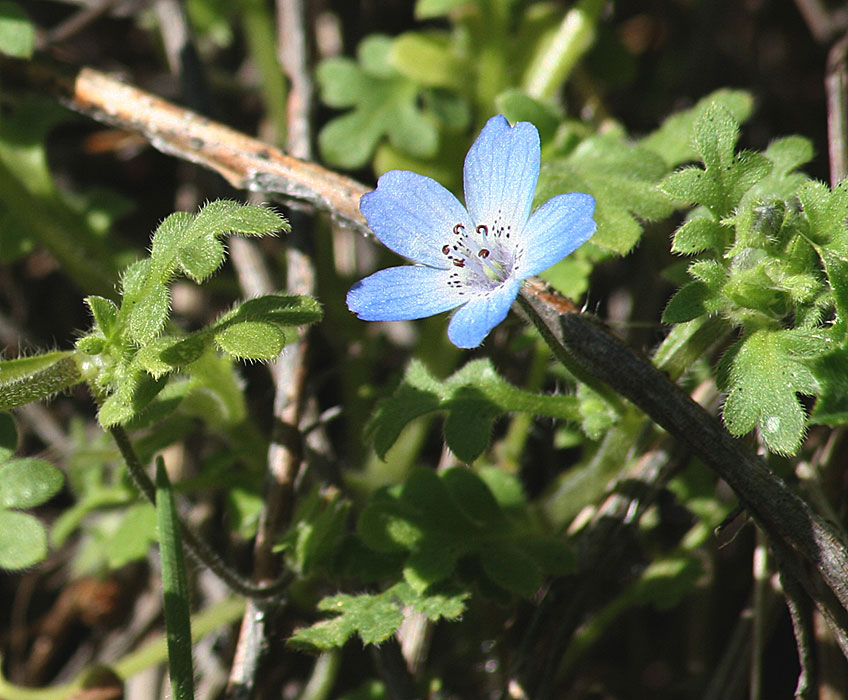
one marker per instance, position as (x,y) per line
(482,229)
(458,229)
(446,249)
(483,253)
(459,262)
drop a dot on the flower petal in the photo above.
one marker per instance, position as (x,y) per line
(473,321)
(414,216)
(556,229)
(500,174)
(402,294)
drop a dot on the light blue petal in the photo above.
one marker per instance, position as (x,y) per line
(556,229)
(471,323)
(500,174)
(402,294)
(414,216)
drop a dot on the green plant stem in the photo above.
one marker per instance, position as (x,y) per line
(195,546)
(324,675)
(519,426)
(151,654)
(490,33)
(258,25)
(800,537)
(174,588)
(551,66)
(88,264)
(37,378)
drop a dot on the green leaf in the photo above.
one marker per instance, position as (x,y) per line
(375,617)
(134,535)
(316,533)
(28,482)
(428,58)
(17,33)
(689,302)
(831,371)
(623,179)
(441,520)
(23,541)
(169,353)
(512,569)
(826,213)
(473,397)
(187,244)
(763,374)
(435,605)
(597,416)
(105,313)
(259,328)
(700,234)
(517,106)
(133,396)
(673,140)
(726,176)
(428,9)
(385,105)
(147,301)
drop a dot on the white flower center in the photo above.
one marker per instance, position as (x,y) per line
(481,260)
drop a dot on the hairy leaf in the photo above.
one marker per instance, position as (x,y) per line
(763,374)
(374,617)
(441,520)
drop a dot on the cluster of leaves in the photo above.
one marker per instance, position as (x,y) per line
(446,535)
(24,483)
(768,243)
(408,98)
(131,353)
(128,355)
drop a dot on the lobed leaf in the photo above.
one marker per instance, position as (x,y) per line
(374,616)
(673,140)
(763,375)
(623,179)
(473,397)
(726,175)
(384,105)
(442,520)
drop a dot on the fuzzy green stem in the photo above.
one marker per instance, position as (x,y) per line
(36,378)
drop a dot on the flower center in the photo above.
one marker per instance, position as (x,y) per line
(476,252)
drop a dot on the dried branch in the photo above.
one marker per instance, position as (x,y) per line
(246,163)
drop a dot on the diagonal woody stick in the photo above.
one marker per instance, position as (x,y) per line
(246,163)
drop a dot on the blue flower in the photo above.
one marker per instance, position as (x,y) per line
(470,259)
